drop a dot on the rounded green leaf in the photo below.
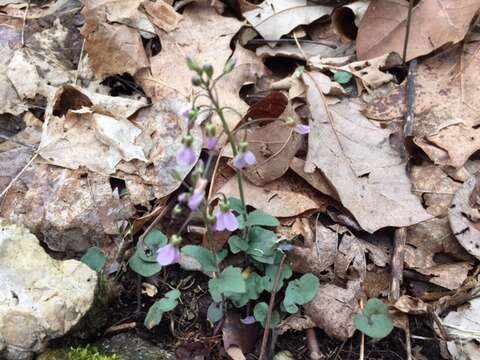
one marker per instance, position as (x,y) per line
(237,244)
(342,77)
(261,218)
(215,312)
(300,292)
(144,268)
(374,321)
(260,313)
(156,311)
(204,256)
(154,240)
(94,258)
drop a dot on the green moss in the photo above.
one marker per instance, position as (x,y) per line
(88,353)
(77,353)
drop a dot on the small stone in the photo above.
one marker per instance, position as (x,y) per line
(40,298)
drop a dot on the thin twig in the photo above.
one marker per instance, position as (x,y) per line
(79,62)
(19,175)
(24,23)
(324,43)
(397,263)
(312,343)
(407,32)
(270,308)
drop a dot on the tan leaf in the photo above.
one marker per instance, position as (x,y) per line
(315,179)
(464,216)
(357,160)
(346,19)
(411,305)
(113,48)
(283,197)
(272,19)
(162,15)
(294,322)
(434,23)
(334,308)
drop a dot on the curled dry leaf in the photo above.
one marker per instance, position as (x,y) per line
(114,47)
(334,308)
(294,322)
(357,160)
(464,215)
(315,179)
(284,197)
(272,19)
(371,72)
(162,15)
(410,305)
(434,23)
(346,19)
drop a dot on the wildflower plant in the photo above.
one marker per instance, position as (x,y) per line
(251,231)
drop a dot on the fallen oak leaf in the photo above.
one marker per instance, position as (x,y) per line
(357,160)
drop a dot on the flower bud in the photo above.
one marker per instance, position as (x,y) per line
(177,211)
(211,218)
(176,240)
(242,147)
(196,81)
(290,122)
(211,130)
(192,65)
(208,70)
(229,66)
(187,139)
(224,206)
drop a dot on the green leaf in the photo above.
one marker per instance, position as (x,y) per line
(261,218)
(215,312)
(254,285)
(237,244)
(260,312)
(236,205)
(263,244)
(271,273)
(342,77)
(156,311)
(144,268)
(374,321)
(154,240)
(204,256)
(300,292)
(94,258)
(230,281)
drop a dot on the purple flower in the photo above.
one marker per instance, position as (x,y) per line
(302,129)
(185,156)
(195,200)
(183,197)
(186,114)
(212,142)
(249,320)
(226,221)
(244,159)
(168,255)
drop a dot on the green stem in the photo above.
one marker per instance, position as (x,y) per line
(233,144)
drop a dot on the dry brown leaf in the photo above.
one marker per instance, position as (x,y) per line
(376,283)
(274,146)
(334,308)
(356,158)
(346,19)
(435,187)
(315,179)
(371,72)
(464,216)
(284,197)
(162,15)
(450,276)
(434,23)
(113,48)
(410,305)
(294,322)
(272,19)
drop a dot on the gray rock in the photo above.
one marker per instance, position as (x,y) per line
(128,346)
(40,298)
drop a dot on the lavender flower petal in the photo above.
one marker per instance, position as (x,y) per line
(183,197)
(220,223)
(185,156)
(302,129)
(249,320)
(168,255)
(239,162)
(230,221)
(195,200)
(212,143)
(249,158)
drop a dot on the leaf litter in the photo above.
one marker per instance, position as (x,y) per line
(90,159)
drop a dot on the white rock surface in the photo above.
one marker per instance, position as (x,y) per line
(40,298)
